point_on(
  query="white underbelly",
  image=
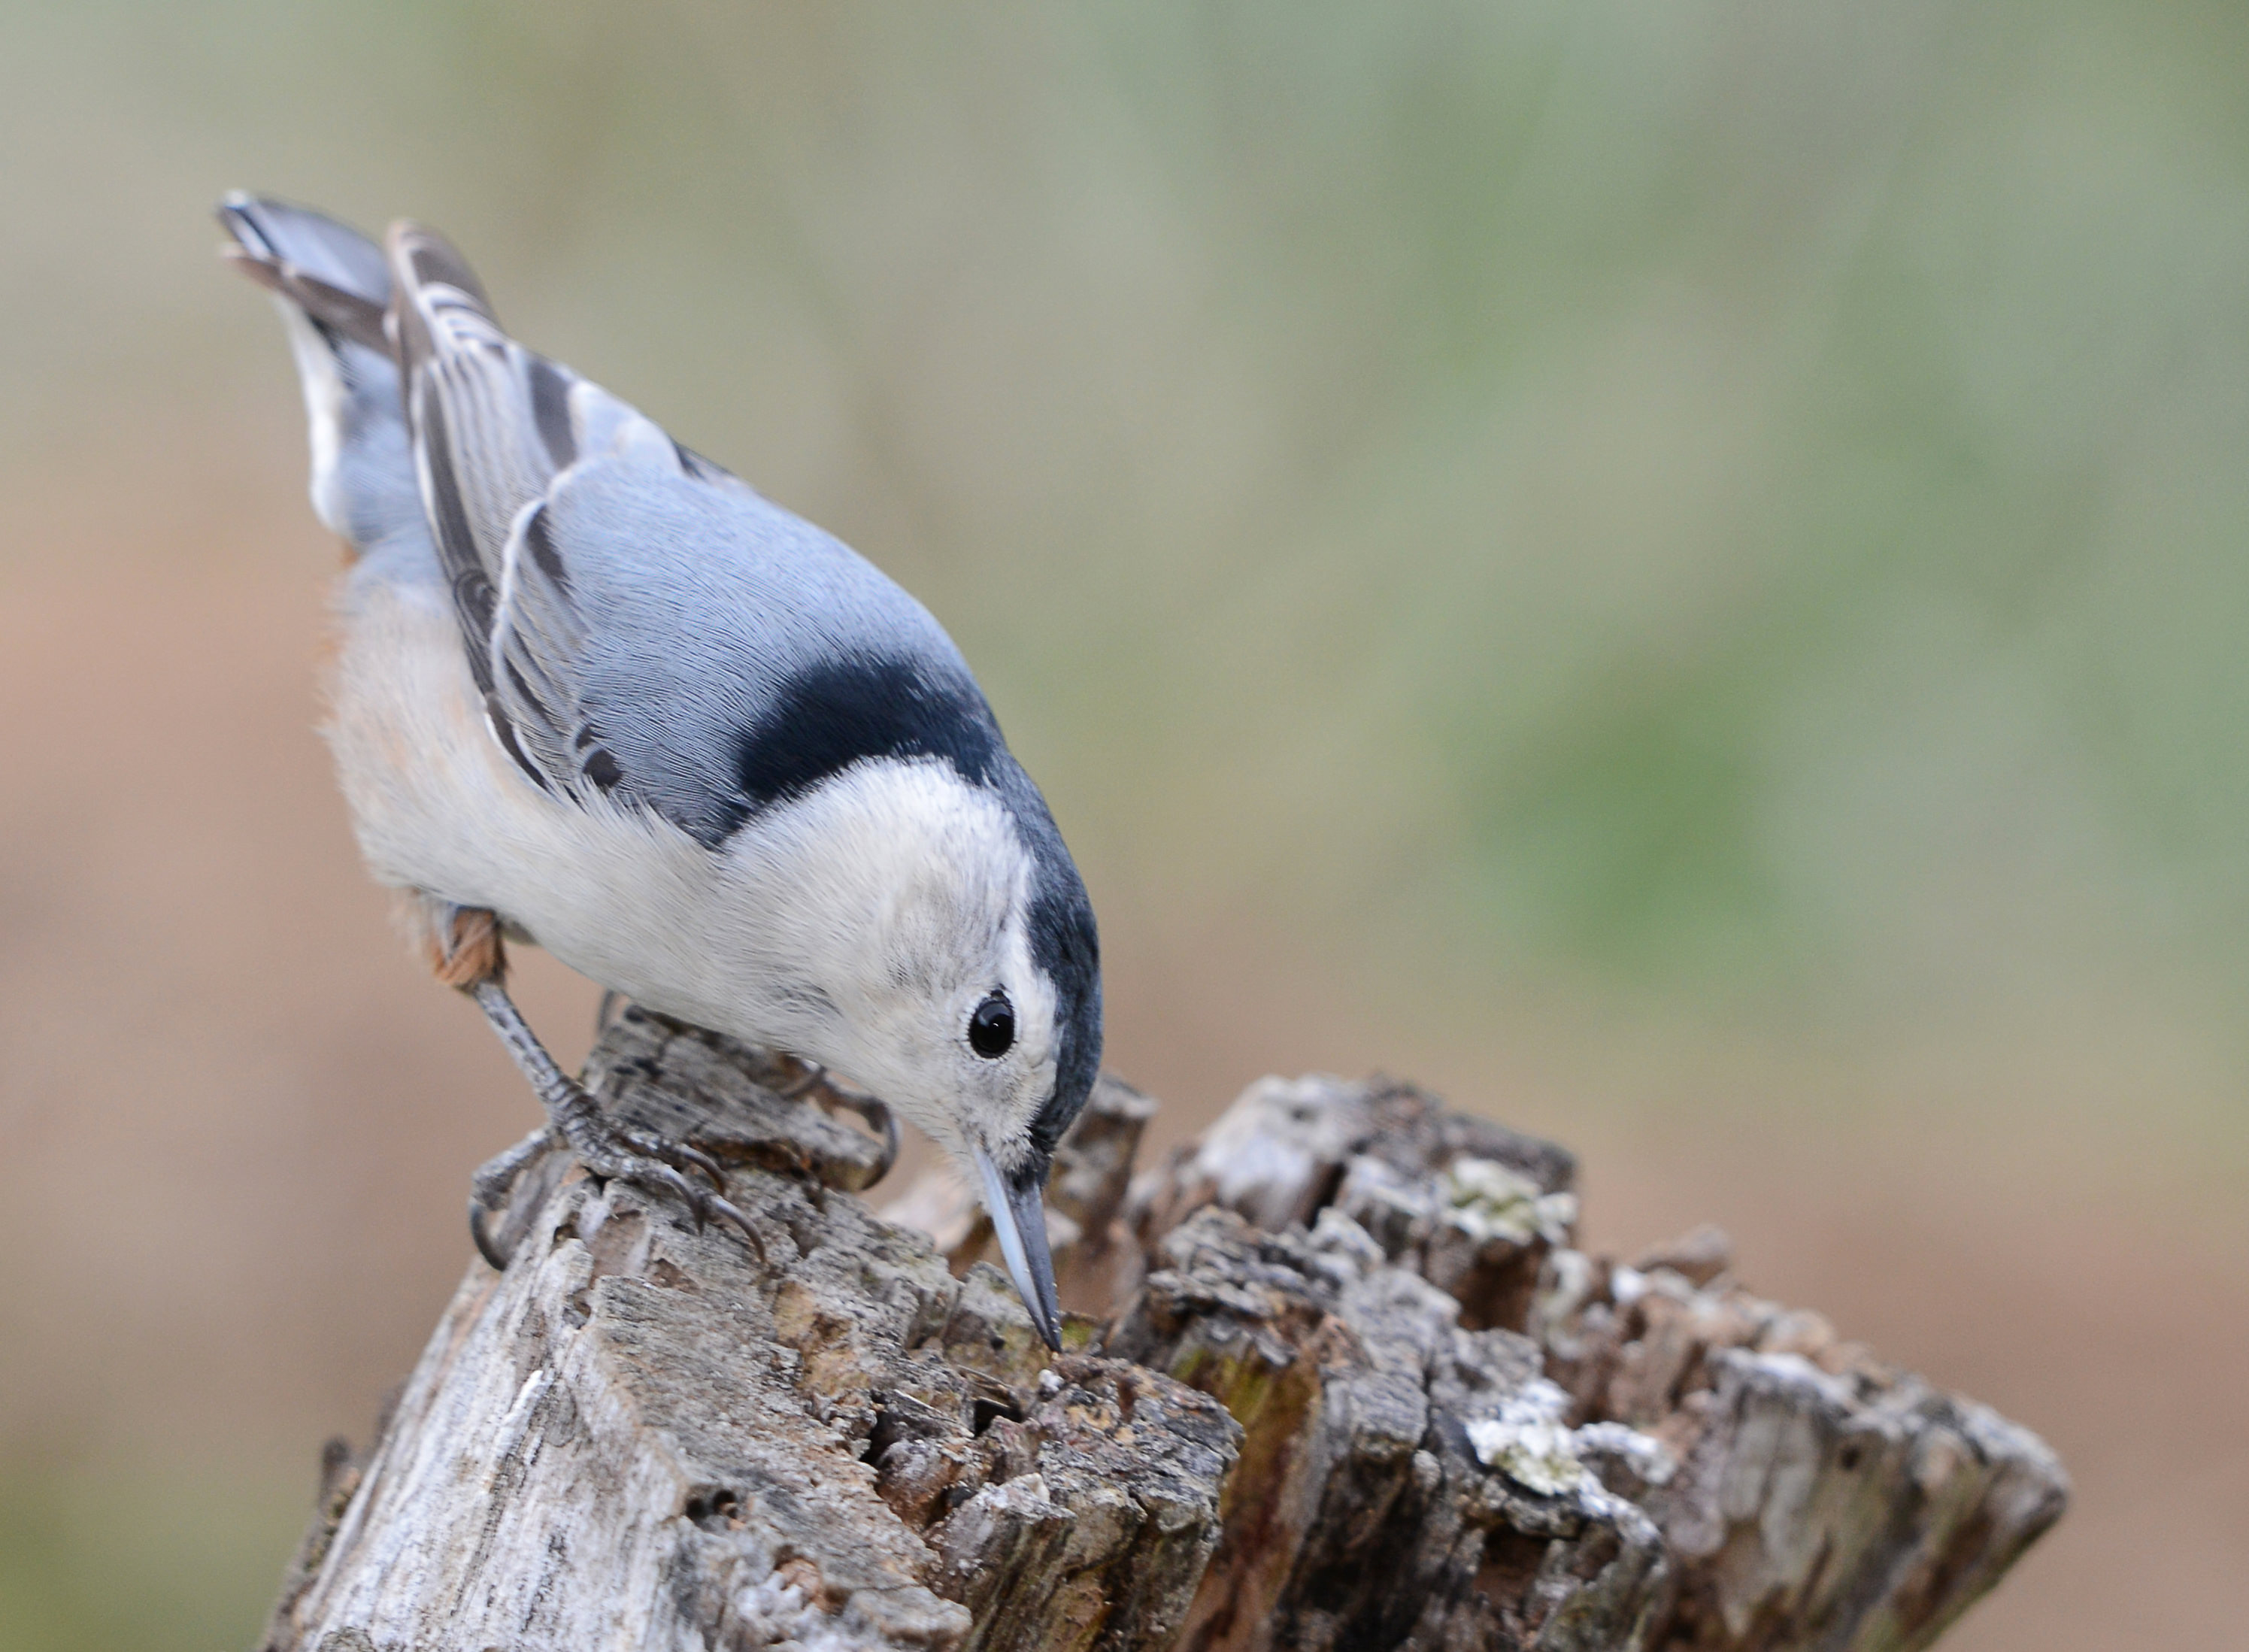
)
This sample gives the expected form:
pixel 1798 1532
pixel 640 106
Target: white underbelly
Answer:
pixel 620 896
pixel 817 928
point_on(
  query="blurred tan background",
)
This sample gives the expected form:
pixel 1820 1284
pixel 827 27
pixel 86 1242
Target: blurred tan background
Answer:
pixel 1675 570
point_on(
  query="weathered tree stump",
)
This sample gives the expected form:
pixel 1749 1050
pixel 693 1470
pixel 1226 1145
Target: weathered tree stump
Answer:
pixel 1336 1379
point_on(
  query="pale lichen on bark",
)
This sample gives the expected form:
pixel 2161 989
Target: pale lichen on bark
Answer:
pixel 1336 1379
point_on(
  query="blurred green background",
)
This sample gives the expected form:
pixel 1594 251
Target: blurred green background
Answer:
pixel 1676 568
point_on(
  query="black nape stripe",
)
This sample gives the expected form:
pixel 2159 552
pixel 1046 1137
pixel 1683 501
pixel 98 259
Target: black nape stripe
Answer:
pixel 1066 946
pixel 829 717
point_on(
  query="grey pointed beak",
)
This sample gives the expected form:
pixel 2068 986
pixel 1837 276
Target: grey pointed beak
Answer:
pixel 1019 1217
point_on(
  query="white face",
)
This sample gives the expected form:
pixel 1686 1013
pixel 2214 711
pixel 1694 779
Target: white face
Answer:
pixel 895 911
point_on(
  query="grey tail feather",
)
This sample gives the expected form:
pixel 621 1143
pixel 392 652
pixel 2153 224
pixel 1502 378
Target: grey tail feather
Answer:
pixel 429 276
pixel 336 285
pixel 330 271
pixel 430 258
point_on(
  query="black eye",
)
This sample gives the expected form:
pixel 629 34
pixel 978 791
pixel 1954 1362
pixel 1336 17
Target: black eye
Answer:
pixel 992 1028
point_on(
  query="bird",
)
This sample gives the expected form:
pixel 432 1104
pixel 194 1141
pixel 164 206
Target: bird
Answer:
pixel 592 691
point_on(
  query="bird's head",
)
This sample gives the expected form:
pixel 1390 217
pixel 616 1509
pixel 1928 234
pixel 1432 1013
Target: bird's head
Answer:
pixel 942 951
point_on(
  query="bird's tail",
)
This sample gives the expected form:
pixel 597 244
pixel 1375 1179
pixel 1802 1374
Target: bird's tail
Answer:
pixel 333 286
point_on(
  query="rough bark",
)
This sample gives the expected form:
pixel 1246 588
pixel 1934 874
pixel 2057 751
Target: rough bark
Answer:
pixel 642 1436
pixel 1336 1379
pixel 1683 1464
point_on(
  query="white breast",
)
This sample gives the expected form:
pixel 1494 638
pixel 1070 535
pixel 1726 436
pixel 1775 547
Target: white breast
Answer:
pixel 796 933
pixel 440 808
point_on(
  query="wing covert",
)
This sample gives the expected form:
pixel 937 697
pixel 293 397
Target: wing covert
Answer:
pixel 495 426
pixel 638 620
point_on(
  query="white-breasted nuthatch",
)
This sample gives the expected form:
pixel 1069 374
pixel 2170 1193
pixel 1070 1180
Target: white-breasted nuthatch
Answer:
pixel 594 693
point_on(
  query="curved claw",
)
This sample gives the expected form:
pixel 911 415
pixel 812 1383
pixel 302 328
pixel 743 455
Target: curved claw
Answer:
pixel 726 1210
pixel 487 1245
pixel 679 1155
pixel 665 1176
pixel 492 1190
pixel 891 1142
pixel 705 1164
pixel 646 1171
pixel 879 1119
pixel 707 1205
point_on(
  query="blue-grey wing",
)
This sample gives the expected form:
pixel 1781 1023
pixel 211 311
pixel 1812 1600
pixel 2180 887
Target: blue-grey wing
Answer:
pixel 730 654
pixel 640 623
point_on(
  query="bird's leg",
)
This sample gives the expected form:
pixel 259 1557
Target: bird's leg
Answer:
pixel 610 1151
pixel 467 952
pixel 832 1093
pixel 878 1117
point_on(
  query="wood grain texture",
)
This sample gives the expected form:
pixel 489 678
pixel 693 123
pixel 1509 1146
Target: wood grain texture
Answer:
pixel 1338 1378
pixel 643 1436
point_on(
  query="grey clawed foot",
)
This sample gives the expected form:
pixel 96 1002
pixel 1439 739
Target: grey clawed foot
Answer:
pixel 640 1158
pixel 680 1155
pixel 611 1152
pixel 878 1117
pixel 834 1093
pixel 490 1190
